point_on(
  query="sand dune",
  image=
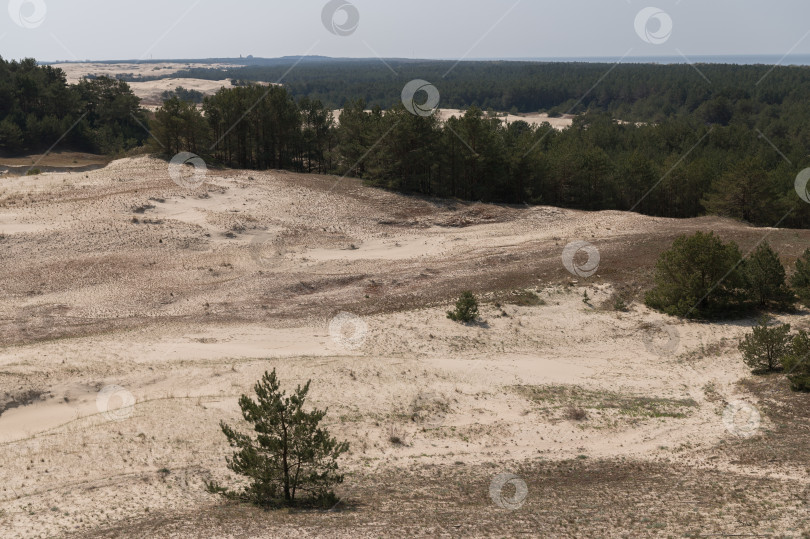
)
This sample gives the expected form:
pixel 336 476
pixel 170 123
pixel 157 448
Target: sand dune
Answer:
pixel 146 309
pixel 78 70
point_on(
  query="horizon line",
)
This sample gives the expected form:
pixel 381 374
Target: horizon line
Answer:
pixel 538 59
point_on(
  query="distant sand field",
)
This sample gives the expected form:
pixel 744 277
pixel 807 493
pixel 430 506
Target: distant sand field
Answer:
pixel 78 70
pixel 532 119
pixel 149 91
pixel 134 313
pixel 535 119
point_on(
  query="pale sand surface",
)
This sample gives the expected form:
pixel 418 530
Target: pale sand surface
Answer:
pixel 149 91
pixel 534 119
pixel 537 118
pixel 76 71
pixel 118 277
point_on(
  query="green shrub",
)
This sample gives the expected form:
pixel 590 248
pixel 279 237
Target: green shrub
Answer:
pixel 617 301
pixel 797 362
pixel 290 454
pixel 466 309
pixel 765 347
pixel 620 305
pixel 33 172
pixel 699 276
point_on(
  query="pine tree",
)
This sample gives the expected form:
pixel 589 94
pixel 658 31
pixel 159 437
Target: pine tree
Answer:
pixel 466 309
pixel 744 192
pixel 765 277
pixel 290 454
pixel 800 280
pixel 765 347
pixel 797 362
pixel 698 276
pixel 11 136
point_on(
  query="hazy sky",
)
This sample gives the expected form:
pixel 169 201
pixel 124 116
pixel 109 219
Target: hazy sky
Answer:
pixel 120 29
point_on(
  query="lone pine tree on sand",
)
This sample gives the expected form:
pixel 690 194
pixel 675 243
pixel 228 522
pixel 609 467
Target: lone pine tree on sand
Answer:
pixel 290 454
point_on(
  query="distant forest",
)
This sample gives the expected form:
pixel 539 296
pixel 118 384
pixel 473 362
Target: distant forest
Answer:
pixel 719 139
pixel 638 92
pixel 38 108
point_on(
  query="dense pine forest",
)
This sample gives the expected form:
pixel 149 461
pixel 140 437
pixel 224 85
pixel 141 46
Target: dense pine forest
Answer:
pixel 638 92
pixel 38 108
pixel 675 141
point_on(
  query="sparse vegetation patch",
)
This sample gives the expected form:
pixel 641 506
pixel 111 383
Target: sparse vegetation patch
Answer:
pixel 572 401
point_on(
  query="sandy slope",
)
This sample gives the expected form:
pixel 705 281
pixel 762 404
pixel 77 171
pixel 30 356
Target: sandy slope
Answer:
pixel 180 299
